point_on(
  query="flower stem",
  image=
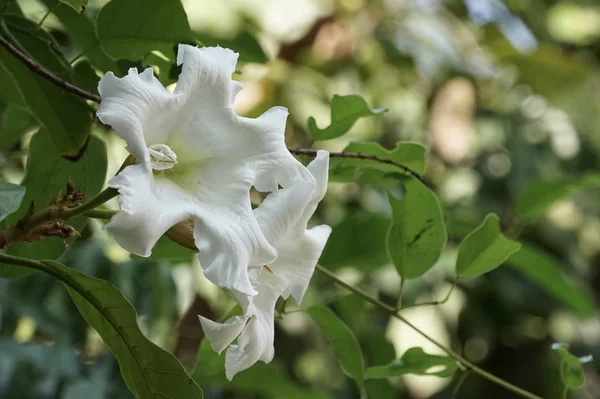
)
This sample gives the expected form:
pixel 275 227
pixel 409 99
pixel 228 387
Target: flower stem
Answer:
pixel 461 360
pixel 32 220
pixel 90 205
pixel 99 214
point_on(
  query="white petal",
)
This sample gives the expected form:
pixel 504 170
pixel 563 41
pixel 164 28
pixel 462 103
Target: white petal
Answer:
pixel 221 335
pixel 149 207
pixel 282 209
pixel 282 168
pixel 207 66
pixel 319 169
pixel 256 340
pixel 136 106
pixel 298 256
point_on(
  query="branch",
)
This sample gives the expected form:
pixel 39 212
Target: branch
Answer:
pixel 40 70
pixel 43 72
pixel 395 313
pixel 48 222
pixel 357 155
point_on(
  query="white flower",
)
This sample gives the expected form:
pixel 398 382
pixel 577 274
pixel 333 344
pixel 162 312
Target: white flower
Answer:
pixel 299 250
pixel 198 161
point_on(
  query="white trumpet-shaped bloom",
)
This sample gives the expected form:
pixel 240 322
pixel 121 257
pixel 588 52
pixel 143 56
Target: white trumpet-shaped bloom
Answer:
pixel 299 250
pixel 196 160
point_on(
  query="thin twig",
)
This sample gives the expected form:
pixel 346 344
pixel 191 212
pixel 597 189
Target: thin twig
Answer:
pixel 459 383
pixel 431 303
pixel 54 213
pixel 40 70
pixel 394 313
pixel 357 155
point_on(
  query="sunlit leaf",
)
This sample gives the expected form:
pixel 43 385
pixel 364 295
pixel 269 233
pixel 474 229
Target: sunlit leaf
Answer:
pixel 77 5
pixel 417 234
pixel 546 271
pixel 571 370
pixel 343 341
pixel 362 237
pixel 148 370
pixel 484 249
pixel 415 361
pixel 345 110
pixel 11 196
pixel 130 29
pixel 47 174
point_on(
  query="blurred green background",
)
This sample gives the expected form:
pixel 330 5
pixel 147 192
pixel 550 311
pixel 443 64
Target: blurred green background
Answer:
pixel 504 95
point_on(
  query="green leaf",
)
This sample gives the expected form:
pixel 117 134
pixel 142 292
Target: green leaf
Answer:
pixel 539 196
pixel 546 271
pixel 168 250
pixel 210 372
pixel 46 175
pixel 77 5
pixel 14 123
pixel 148 370
pixel 344 343
pixel 345 110
pixel 571 370
pixel 484 249
pixel 243 43
pixel 11 196
pixel 417 234
pixel 415 361
pixel 129 29
pixel 362 236
pixel 411 155
pixel 66 116
pixel 83 33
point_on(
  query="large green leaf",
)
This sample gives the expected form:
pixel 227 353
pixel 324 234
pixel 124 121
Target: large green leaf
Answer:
pixel 47 174
pixel 11 196
pixel 14 122
pixel 415 361
pixel 484 249
pixel 417 234
pixel 344 343
pixel 546 271
pixel 148 371
pixel 82 31
pixel 345 111
pixel 571 369
pixel 362 236
pixel 168 250
pixel 266 380
pixel 66 117
pixel 129 29
pixel 244 43
pixel 411 155
pixel 77 5
pixel 541 194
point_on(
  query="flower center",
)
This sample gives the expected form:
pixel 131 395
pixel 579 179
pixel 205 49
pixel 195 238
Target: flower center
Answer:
pixel 162 157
